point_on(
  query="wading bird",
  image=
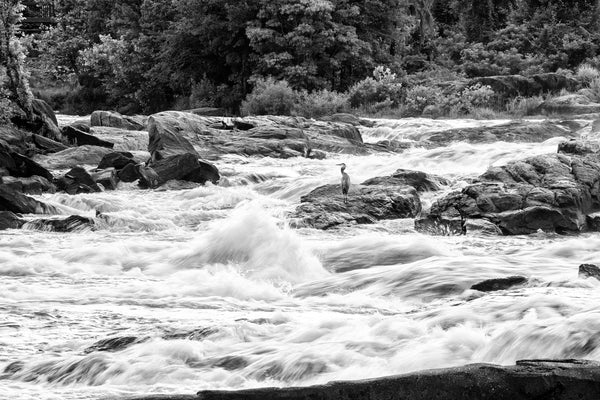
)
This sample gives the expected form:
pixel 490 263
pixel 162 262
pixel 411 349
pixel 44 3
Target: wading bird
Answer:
pixel 345 183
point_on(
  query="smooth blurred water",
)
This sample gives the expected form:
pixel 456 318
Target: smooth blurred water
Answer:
pixel 220 293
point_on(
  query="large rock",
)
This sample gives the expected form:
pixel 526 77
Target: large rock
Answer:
pixel 106 177
pixel 419 180
pixel 117 160
pixel 589 271
pixel 30 185
pixel 76 181
pixel 129 173
pixel 11 200
pixel 115 120
pixel 45 120
pixel 552 192
pixel 74 223
pixel 73 157
pixel 19 165
pixel 47 145
pixel 324 207
pixel 491 285
pixel 123 140
pixel 514 131
pixel 175 132
pixel 527 380
pixel 10 220
pixel 185 167
pixel 81 138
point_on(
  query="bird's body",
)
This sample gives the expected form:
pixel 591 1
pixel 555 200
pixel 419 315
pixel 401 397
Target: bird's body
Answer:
pixel 345 183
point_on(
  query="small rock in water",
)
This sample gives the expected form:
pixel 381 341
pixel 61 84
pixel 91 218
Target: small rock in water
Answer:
pixel 589 271
pixel 113 344
pixel 107 178
pixel 76 181
pixel 491 285
pixel 129 173
pixel 73 223
pixel 10 220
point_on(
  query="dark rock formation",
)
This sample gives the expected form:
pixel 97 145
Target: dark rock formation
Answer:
pixel 589 271
pixel 129 173
pixel 45 122
pixel 31 185
pixel 116 120
pixel 11 200
pixel 185 167
pixel 113 344
pixel 324 207
pixel 421 181
pixel 73 223
pixel 81 138
pixel 148 178
pixel 10 220
pixel 47 145
pixel 76 181
pixel 495 284
pixel 552 192
pixel 107 178
pixel 19 165
pixel 528 379
pixel 579 147
pixel 117 160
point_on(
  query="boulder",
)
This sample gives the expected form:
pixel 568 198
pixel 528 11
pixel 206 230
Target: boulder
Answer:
pixel 589 271
pixel 76 181
pixel 148 178
pixel 80 138
pixel 169 134
pixel 10 220
pixel 74 223
pixel 129 173
pixel 491 285
pixel 73 157
pixel 117 160
pixel 510 86
pixel 11 200
pixel 185 167
pixel 107 178
pixel 579 147
pixel 324 207
pixel 528 379
pixel 45 123
pixel 30 185
pixel 47 145
pixel 81 126
pixel 421 181
pixel 26 167
pixel 552 192
pixel 115 120
pixel 123 140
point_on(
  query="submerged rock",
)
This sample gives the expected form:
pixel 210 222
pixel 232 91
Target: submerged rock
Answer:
pixel 73 223
pixel 589 271
pixel 114 344
pixel 491 285
pixel 528 379
pixel 324 207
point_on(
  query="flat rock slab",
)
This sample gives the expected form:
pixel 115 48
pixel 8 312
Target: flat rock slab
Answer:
pixel 528 379
pixel 324 207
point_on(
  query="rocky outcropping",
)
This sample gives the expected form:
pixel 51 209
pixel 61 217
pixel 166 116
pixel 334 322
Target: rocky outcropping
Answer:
pixel 11 200
pixel 115 120
pixel 80 138
pixel 267 136
pixel 568 105
pixel 552 192
pixel 510 86
pixel 324 207
pixel 73 157
pixel 528 379
pixel 76 181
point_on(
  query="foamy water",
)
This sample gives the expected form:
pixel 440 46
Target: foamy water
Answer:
pixel 210 288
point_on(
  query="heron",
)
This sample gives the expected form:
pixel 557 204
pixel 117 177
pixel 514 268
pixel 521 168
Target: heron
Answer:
pixel 345 183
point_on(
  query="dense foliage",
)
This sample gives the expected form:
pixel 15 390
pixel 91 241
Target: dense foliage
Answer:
pixel 148 55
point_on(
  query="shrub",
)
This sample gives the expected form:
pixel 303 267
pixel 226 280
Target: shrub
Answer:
pixel 320 103
pixel 592 92
pixel 418 97
pixel 270 97
pixel 384 88
pixel 522 106
pixel 587 73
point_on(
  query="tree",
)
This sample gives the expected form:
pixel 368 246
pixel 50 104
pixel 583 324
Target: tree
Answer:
pixel 12 56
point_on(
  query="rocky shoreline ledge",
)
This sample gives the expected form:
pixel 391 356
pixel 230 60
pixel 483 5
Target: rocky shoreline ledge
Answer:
pixel 528 379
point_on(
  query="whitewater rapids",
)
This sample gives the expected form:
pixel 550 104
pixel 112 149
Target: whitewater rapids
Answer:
pixel 215 291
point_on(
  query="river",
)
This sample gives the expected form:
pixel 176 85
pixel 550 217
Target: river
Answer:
pixel 215 290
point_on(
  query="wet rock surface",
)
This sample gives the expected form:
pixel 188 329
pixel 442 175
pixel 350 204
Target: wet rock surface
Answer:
pixel 419 180
pixel 324 207
pixel 115 120
pixel 73 223
pixel 491 285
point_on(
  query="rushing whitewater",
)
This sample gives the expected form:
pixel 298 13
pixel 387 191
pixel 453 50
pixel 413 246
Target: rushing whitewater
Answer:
pixel 207 287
